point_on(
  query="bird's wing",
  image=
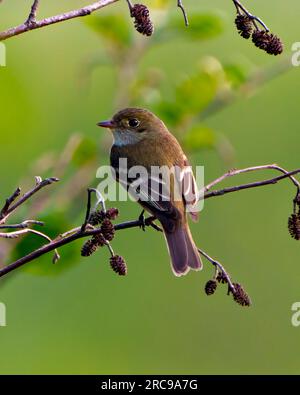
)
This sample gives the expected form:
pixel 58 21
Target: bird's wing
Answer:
pixel 189 189
pixel 158 191
pixel 147 189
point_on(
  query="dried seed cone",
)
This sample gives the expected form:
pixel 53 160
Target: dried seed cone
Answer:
pixel 261 39
pixel 88 248
pixel 118 265
pixel 107 229
pixel 244 25
pixel 294 226
pixel 210 287
pixel 269 43
pixel 142 21
pixel 96 217
pixel 112 213
pixel 98 240
pixel 275 46
pixel 221 278
pixel 240 296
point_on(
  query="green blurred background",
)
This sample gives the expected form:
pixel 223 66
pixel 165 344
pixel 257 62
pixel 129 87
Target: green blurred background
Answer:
pixel 78 317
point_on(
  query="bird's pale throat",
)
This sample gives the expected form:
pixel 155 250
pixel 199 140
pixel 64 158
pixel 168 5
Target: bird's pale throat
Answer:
pixel 126 137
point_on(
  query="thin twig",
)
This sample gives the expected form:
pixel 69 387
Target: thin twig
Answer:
pixel 22 225
pixel 220 267
pixel 239 7
pixel 88 210
pixel 10 235
pixel 270 181
pixel 16 234
pixel 25 27
pixel 100 200
pixel 31 20
pixel 234 172
pixel 184 13
pixel 130 6
pixel 9 207
pixel 9 201
pixel 56 255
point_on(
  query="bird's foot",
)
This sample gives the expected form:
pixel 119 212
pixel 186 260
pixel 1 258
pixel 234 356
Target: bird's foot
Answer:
pixel 149 221
pixel 142 221
pixel 156 227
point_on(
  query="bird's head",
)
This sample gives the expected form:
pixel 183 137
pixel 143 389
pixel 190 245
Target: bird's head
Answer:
pixel 131 125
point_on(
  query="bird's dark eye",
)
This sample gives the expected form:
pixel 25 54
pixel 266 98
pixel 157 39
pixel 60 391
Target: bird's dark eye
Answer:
pixel 133 123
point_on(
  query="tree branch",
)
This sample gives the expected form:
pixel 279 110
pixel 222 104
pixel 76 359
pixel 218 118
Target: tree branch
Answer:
pixel 219 267
pixel 234 172
pixel 8 202
pixel 9 207
pixel 86 230
pixel 31 23
pixel 270 181
pixel 22 225
pixel 31 20
pixel 66 240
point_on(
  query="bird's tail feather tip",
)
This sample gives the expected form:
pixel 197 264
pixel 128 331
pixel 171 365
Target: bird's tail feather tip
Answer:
pixel 179 273
pixel 183 272
pixel 194 258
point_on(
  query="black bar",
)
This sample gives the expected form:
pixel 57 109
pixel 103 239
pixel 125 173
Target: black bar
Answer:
pixel 94 384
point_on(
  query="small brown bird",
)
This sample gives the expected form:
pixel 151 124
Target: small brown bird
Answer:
pixel 143 140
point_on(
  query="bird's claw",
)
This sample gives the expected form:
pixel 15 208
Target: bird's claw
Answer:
pixel 142 221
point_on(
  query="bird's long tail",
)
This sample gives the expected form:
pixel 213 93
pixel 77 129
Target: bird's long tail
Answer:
pixel 183 251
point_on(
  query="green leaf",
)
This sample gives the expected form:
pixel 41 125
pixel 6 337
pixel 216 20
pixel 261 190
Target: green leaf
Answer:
pixel 55 223
pixel 171 113
pixel 196 92
pixel 201 26
pixel 115 28
pixel 85 152
pixel 199 137
pixel 236 74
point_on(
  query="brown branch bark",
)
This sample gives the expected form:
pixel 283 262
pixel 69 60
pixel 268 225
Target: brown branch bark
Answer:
pixel 31 23
pixel 9 207
pixel 8 202
pixel 66 240
pixel 270 181
pixel 32 16
pixel 83 231
pixel 22 225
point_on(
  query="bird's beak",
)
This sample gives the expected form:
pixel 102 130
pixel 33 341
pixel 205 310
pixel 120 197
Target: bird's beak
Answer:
pixel 107 124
